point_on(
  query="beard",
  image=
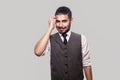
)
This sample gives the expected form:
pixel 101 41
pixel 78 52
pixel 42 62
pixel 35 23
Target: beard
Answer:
pixel 64 32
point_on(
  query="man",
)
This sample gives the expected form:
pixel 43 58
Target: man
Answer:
pixel 69 51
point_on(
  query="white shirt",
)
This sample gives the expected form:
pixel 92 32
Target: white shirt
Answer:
pixel 85 48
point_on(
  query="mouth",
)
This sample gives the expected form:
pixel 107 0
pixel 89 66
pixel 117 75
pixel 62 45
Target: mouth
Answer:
pixel 61 28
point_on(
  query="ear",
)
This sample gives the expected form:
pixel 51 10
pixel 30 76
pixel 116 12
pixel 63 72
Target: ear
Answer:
pixel 71 20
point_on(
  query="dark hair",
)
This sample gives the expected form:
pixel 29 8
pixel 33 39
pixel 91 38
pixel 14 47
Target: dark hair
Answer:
pixel 64 10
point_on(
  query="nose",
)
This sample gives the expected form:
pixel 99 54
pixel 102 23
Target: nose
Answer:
pixel 60 24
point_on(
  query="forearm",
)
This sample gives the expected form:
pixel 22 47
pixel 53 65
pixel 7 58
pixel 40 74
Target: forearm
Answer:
pixel 42 43
pixel 88 72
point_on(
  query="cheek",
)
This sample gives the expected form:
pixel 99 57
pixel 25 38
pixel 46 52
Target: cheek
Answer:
pixel 57 24
pixel 66 24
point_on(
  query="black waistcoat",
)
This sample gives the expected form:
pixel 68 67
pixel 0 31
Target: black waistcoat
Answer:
pixel 66 60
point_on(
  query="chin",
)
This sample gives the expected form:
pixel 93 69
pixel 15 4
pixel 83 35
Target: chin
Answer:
pixel 61 31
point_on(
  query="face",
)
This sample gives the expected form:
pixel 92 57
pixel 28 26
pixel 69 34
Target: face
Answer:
pixel 63 23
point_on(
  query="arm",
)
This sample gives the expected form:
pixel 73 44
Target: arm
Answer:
pixel 86 59
pixel 42 43
pixel 88 72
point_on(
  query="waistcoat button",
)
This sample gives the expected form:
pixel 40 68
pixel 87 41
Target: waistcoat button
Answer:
pixel 66 72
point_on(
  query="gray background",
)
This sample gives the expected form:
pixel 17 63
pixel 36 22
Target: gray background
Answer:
pixel 23 22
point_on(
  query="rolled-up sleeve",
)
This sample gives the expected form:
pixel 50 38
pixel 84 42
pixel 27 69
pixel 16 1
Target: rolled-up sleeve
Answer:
pixel 85 52
pixel 47 50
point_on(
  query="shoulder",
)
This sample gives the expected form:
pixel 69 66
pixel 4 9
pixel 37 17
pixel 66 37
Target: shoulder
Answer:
pixel 78 34
pixel 53 35
pixel 75 34
pixel 83 37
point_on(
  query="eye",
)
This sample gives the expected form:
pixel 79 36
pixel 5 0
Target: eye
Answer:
pixel 64 20
pixel 57 21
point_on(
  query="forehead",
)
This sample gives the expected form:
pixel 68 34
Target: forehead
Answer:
pixel 62 17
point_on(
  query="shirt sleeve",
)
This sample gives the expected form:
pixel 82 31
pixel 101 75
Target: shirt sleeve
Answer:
pixel 85 52
pixel 47 50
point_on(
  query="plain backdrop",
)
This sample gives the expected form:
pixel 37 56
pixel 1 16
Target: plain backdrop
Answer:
pixel 23 22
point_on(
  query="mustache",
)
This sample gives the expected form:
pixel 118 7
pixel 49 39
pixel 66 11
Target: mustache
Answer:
pixel 61 27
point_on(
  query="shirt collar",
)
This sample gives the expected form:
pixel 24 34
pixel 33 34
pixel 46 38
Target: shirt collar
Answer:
pixel 68 34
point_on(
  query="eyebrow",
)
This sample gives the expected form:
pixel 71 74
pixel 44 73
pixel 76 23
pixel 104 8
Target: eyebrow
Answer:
pixel 62 20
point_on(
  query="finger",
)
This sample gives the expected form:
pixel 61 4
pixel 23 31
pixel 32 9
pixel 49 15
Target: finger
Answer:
pixel 54 17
